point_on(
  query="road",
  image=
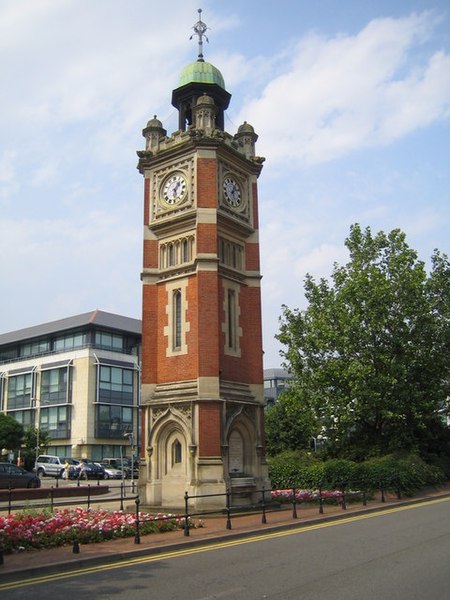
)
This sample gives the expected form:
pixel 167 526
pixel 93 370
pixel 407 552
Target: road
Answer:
pixel 401 554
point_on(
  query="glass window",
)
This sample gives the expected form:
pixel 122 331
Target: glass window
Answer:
pixel 231 319
pixel 8 353
pixel 177 319
pixel 116 385
pixel 108 340
pixel 54 385
pixel 25 417
pixel 19 391
pixel 56 421
pixel 113 421
pixel 36 347
pixel 176 452
pixel 67 342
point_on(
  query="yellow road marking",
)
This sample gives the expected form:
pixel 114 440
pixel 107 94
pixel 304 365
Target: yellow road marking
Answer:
pixel 208 547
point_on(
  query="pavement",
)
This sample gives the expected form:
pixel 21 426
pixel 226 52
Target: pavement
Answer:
pixel 35 563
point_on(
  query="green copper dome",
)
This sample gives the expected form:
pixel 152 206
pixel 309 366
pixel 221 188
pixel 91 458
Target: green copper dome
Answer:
pixel 201 72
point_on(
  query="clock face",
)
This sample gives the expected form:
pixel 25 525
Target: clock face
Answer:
pixel 174 189
pixel 232 192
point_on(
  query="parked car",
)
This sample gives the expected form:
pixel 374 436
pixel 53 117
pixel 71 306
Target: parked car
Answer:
pixel 88 469
pixel 47 465
pixel 112 472
pixel 123 464
pixel 12 476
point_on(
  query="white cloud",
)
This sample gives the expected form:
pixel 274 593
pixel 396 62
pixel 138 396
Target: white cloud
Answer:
pixel 341 94
pixel 61 267
pixel 8 178
pixel 45 173
pixel 61 77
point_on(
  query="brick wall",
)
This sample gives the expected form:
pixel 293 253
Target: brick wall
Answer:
pixel 209 429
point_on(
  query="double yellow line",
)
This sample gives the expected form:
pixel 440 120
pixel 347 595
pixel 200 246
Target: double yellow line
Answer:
pixel 208 547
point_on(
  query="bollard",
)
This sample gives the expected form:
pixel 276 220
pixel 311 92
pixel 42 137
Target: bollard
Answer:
pixel 263 519
pixel 228 509
pixel 1 557
pixel 320 501
pixel 76 547
pixel 186 514
pixel 294 506
pixel 137 537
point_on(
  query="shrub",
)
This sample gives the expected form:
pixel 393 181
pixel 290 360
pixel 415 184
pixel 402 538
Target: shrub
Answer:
pixel 395 472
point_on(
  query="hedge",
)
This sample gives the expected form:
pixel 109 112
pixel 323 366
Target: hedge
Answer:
pixel 403 474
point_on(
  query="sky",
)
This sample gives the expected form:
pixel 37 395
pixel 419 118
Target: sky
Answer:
pixel 350 100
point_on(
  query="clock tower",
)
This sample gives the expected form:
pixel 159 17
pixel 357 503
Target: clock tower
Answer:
pixel 202 369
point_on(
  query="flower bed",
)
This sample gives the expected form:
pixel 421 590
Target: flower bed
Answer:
pixel 333 496
pixel 306 495
pixel 46 530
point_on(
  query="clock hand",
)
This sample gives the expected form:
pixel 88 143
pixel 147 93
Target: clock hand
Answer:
pixel 175 187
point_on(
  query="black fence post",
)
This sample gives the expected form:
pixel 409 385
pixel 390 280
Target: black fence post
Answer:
pixel 294 504
pixel 364 497
pixel 383 499
pixel 320 501
pixel 89 497
pixel 121 496
pixel 263 520
pixel 228 509
pixel 9 501
pixel 51 498
pixel 137 537
pixel 186 514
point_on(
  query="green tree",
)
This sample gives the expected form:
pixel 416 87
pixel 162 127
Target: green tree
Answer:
pixel 289 424
pixel 11 433
pixel 32 438
pixel 371 350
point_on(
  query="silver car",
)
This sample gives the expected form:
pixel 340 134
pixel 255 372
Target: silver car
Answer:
pixel 112 472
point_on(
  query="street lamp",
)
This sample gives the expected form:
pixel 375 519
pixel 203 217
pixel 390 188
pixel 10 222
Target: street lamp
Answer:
pixel 131 439
pixel 37 406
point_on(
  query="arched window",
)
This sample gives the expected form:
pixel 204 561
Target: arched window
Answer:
pixel 162 257
pixel 231 301
pixel 185 257
pixel 177 454
pixel 177 319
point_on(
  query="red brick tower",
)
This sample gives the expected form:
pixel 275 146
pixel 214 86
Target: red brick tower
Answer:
pixel 202 372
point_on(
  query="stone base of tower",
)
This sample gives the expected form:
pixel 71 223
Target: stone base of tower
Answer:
pixel 207 492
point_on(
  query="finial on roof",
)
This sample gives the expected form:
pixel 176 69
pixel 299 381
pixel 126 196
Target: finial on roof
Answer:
pixel 199 29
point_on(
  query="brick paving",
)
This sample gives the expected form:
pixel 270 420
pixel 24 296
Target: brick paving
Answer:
pixel 22 565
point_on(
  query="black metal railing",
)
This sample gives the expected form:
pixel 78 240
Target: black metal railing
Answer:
pixel 341 493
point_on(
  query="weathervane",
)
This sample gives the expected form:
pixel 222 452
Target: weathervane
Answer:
pixel 199 29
